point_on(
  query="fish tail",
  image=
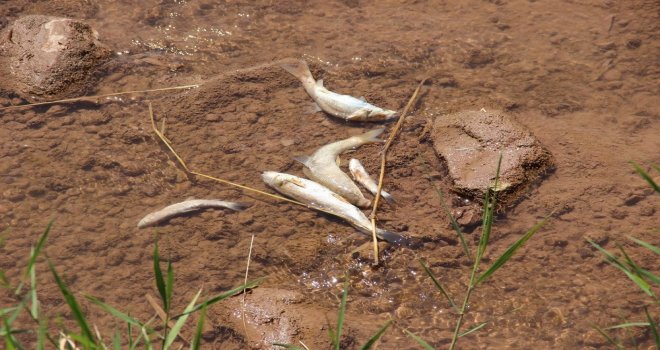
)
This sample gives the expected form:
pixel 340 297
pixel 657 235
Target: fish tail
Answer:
pixel 391 237
pixel 300 70
pixel 372 136
pixel 238 206
pixel 388 197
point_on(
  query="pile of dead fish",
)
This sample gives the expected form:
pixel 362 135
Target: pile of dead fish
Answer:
pixel 328 188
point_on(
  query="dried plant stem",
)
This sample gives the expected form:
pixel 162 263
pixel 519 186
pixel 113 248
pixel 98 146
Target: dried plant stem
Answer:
pixel 383 159
pixel 93 97
pixel 247 270
pixel 163 315
pixel 185 167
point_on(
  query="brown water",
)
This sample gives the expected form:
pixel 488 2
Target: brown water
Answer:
pixel 581 75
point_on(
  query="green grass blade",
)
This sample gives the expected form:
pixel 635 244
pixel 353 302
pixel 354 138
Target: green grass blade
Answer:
pixel 169 285
pixel 114 312
pixel 614 261
pixel 419 340
pixel 10 342
pixel 473 329
pixel 654 328
pixel 73 305
pixel 638 270
pixel 82 341
pixel 608 338
pixel 34 305
pixel 4 282
pixel 454 223
pixel 509 252
pixel 147 341
pixel 42 331
pixel 194 345
pixel 174 332
pixel 628 325
pixel 288 346
pixel 116 341
pixel 7 310
pixel 646 245
pixel 222 296
pixel 340 317
pixel 37 249
pixel 376 336
pixel 490 202
pixel 160 281
pixel 646 176
pixel 438 285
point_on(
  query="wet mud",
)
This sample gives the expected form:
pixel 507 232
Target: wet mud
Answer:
pixel 581 77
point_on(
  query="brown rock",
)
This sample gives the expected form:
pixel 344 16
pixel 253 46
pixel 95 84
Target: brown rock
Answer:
pixel 50 56
pixel 471 142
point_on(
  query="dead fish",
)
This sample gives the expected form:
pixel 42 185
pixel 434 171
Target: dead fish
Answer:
pixel 186 207
pixel 322 167
pixel 338 105
pixel 362 177
pixel 319 197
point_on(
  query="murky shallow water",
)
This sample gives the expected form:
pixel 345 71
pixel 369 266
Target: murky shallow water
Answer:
pixel 569 73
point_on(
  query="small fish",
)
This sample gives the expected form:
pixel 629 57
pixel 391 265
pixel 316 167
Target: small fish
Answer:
pixel 362 177
pixel 186 207
pixel 322 167
pixel 319 197
pixel 338 105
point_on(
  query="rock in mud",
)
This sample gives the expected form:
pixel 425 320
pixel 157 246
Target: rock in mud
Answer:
pixel 470 143
pixel 49 56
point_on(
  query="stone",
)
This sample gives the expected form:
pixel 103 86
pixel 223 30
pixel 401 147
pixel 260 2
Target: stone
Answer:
pixel 50 56
pixel 470 143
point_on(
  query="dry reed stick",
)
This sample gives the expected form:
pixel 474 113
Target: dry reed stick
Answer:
pixel 247 270
pixel 247 188
pixel 383 155
pixel 82 98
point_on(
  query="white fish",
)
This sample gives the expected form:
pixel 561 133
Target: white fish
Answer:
pixel 362 177
pixel 338 105
pixel 186 207
pixel 322 167
pixel 319 197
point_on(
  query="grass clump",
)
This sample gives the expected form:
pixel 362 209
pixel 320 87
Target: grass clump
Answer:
pixel 644 279
pixel 144 334
pixel 476 276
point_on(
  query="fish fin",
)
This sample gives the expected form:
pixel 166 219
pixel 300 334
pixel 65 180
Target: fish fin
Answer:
pixel 372 136
pixel 313 108
pixel 302 159
pixel 359 115
pixel 296 182
pixel 391 237
pixel 298 69
pixel 361 98
pixel 238 206
pixel 319 83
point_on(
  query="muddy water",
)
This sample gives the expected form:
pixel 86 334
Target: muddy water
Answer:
pixel 581 75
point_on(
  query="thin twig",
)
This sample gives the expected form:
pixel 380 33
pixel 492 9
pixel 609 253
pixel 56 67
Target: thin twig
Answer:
pixel 93 97
pixel 187 170
pixel 383 158
pixel 247 270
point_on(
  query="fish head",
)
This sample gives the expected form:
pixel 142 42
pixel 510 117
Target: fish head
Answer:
pixel 383 114
pixel 272 178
